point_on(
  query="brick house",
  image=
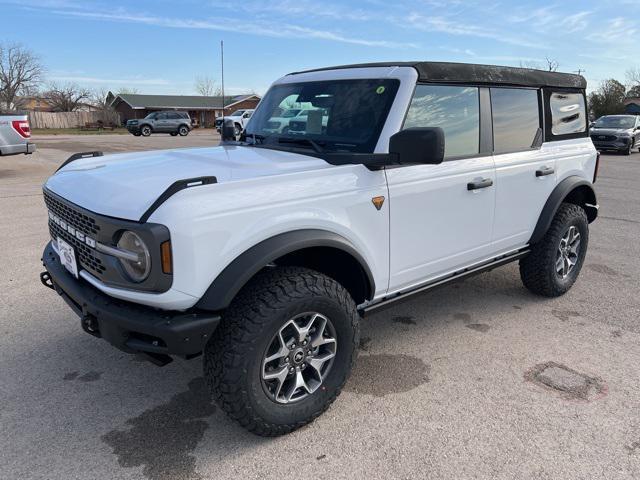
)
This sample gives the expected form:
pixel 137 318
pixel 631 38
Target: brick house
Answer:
pixel 202 110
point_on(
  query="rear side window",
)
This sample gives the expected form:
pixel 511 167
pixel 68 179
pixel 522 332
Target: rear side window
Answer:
pixel 516 119
pixel 454 109
pixel 568 113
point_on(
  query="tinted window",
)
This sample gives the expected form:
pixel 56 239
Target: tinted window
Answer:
pixel 455 110
pixel 568 113
pixel 173 116
pixel 516 118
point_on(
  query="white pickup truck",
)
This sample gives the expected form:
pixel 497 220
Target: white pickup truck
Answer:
pixel 15 134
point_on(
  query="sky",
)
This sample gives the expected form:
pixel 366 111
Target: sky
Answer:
pixel 162 46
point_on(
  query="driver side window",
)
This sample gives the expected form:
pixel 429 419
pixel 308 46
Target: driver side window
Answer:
pixel 454 109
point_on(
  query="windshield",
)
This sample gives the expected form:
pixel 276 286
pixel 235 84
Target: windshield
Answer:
pixel 290 113
pixel 336 115
pixel 151 115
pixel 615 122
pixel 237 113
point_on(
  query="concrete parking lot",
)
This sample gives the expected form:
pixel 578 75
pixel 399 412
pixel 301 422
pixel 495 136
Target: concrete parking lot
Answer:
pixel 449 385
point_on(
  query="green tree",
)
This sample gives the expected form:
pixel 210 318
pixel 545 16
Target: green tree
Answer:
pixel 608 99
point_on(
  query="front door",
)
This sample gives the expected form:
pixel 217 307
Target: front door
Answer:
pixel 441 216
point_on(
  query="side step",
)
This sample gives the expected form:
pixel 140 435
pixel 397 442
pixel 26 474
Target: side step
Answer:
pixel 467 272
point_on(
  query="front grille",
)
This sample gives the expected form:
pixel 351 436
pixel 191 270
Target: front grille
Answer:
pixel 78 220
pixel 603 138
pixel 87 256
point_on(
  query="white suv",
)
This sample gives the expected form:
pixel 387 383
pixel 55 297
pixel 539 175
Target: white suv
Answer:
pixel 265 253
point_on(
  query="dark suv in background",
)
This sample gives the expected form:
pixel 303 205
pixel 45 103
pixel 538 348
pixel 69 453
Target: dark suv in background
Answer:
pixel 174 123
pixel 616 132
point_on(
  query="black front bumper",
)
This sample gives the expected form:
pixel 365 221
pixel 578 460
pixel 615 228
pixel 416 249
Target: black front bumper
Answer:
pixel 128 326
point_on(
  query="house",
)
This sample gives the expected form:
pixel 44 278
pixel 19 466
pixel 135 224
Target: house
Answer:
pixel 632 105
pixel 202 110
pixel 34 103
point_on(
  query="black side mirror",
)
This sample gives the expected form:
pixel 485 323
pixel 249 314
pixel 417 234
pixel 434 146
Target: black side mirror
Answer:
pixel 418 146
pixel 228 130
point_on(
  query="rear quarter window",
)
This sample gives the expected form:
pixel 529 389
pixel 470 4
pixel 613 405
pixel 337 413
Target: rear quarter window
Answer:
pixel 568 113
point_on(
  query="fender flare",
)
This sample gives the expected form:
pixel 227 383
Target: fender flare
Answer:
pixel 559 194
pixel 236 275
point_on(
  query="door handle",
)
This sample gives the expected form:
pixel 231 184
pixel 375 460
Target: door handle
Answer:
pixel 484 183
pixel 544 171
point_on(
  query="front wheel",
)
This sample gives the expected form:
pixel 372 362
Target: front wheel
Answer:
pixel 554 263
pixel 284 350
pixel 629 148
pixel 145 131
pixel 237 129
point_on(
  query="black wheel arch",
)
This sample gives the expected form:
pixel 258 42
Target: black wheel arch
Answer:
pixel 320 250
pixel 573 189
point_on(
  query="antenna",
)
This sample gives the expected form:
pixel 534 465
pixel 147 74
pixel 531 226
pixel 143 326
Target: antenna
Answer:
pixel 222 68
pixel 580 71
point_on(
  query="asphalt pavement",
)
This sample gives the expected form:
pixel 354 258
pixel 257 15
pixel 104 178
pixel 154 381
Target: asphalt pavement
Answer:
pixel 479 379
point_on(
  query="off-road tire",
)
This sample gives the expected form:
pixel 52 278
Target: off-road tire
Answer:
pixel 146 130
pixel 538 269
pixel 183 131
pixel 233 356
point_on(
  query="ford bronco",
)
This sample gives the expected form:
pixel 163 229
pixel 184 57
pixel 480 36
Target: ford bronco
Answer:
pixel 263 254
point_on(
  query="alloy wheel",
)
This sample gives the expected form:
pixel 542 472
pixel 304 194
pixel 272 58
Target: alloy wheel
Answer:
pixel 568 252
pixel 299 358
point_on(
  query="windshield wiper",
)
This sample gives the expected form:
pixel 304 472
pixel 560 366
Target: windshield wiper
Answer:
pixel 255 137
pixel 302 141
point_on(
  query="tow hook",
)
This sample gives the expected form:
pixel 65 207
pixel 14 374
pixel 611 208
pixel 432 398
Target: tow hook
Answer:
pixel 90 325
pixel 45 278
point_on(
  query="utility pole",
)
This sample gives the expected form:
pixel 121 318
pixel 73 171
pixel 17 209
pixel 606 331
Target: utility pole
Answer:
pixel 222 68
pixel 580 71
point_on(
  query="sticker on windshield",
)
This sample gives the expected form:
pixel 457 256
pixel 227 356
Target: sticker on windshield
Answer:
pixel 380 90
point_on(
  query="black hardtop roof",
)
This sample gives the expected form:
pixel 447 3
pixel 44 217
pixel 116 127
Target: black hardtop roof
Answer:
pixel 450 72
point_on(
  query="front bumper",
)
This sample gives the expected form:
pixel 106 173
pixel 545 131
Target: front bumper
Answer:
pixel 620 144
pixel 129 327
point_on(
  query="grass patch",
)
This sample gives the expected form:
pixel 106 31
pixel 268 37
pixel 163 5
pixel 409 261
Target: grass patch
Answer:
pixel 77 131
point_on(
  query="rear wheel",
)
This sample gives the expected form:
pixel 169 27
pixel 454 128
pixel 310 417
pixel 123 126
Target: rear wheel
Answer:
pixel 145 130
pixel 284 350
pixel 183 131
pixel 554 263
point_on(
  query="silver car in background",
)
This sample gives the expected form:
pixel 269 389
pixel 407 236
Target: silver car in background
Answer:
pixel 15 134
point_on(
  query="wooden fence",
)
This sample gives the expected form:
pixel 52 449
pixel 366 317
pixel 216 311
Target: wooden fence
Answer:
pixel 71 119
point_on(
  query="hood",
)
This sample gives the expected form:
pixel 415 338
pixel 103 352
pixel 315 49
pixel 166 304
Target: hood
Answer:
pixel 125 185
pixel 609 131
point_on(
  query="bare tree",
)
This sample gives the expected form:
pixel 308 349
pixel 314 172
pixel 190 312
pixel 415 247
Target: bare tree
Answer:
pixel 207 87
pixel 68 97
pixel 633 82
pixel 127 91
pixel 552 64
pixel 20 71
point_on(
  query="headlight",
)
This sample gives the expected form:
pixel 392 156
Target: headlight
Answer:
pixel 139 269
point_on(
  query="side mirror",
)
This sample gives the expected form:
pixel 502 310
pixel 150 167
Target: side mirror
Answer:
pixel 418 146
pixel 227 132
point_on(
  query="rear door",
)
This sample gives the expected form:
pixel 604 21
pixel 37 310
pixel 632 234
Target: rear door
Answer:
pixel 441 216
pixel 525 172
pixel 162 123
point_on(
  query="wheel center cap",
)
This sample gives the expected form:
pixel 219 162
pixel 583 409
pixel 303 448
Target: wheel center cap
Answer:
pixel 298 356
